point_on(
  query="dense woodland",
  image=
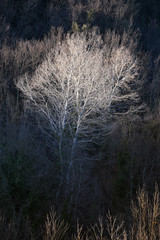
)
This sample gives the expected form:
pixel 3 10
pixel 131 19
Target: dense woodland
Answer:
pixel 79 119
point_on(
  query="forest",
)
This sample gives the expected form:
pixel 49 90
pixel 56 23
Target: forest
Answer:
pixel 79 120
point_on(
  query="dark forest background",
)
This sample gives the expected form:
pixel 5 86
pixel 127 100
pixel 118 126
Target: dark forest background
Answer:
pixel 128 157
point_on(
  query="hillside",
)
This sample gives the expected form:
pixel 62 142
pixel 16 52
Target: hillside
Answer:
pixel 79 116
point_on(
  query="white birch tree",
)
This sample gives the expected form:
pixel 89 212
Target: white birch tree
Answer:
pixel 74 89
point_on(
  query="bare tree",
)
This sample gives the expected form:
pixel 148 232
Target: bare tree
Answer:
pixel 74 90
